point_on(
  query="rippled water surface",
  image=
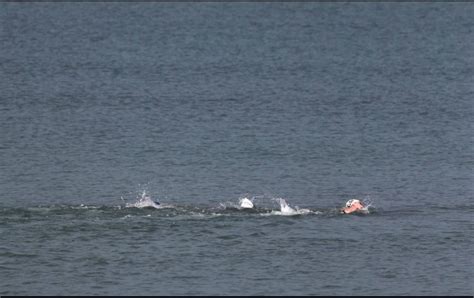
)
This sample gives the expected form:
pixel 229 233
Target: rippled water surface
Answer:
pixel 200 104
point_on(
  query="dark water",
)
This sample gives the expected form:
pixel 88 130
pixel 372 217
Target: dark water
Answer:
pixel 201 103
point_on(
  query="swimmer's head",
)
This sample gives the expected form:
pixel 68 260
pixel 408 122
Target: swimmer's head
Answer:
pixel 352 202
pixel 245 203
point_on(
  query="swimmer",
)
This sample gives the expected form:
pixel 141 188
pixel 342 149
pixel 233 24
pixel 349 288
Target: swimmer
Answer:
pixel 352 206
pixel 145 202
pixel 245 203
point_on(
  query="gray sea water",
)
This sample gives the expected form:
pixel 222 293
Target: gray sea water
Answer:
pixel 200 104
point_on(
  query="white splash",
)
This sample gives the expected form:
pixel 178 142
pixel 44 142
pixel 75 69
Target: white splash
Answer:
pixel 286 210
pixel 143 202
pixel 367 203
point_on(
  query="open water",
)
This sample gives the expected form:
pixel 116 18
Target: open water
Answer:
pixel 200 104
